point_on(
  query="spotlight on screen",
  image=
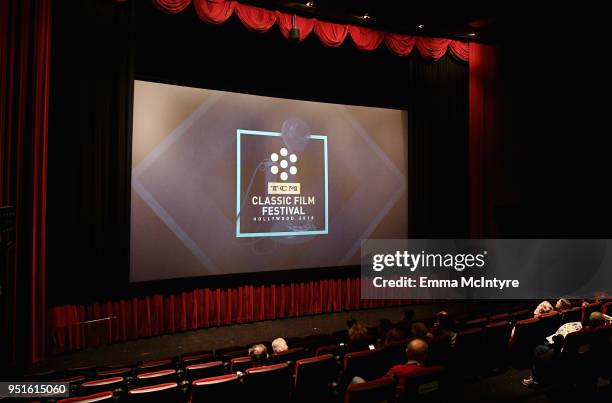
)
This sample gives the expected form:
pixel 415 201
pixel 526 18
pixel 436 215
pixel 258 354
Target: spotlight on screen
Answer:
pixel 295 133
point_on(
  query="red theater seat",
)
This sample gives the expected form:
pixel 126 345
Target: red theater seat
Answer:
pixel 227 354
pixel 315 378
pixel 240 364
pixel 204 370
pixel 479 322
pixel 223 388
pixel 501 317
pixel 101 385
pixel 588 309
pixel 527 335
pixel 430 386
pixel 197 358
pixel 374 391
pixel 114 372
pixel 334 349
pixel 394 353
pixel 71 380
pixel 275 380
pixel 365 364
pixel 75 371
pixel 606 307
pixel 578 359
pixel 521 315
pixel 440 349
pixel 495 345
pixel 468 353
pixel 571 315
pixel 602 345
pixel 550 322
pixel 97 397
pixel 155 365
pixel 163 392
pixel 290 356
pixel 156 377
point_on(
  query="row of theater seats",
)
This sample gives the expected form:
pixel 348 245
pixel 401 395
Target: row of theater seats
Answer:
pixel 316 370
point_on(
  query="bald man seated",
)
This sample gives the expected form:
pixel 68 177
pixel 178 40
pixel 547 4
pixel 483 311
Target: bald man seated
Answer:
pixel 416 353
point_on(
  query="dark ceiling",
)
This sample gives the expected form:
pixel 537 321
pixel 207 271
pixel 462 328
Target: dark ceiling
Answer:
pixel 467 20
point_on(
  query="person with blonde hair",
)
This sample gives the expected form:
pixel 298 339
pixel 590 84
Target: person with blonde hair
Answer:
pixel 543 308
pixel 259 355
pixel 279 345
pixel 563 304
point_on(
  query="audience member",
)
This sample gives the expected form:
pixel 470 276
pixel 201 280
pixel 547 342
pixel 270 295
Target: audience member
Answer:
pixel 416 353
pixel 358 338
pixel 543 308
pixel 419 330
pixel 405 325
pixel 279 345
pixel 393 336
pixel 563 304
pixel 444 327
pixel 259 355
pixel 545 356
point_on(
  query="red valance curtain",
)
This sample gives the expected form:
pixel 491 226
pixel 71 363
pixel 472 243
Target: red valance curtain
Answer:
pixel 75 327
pixel 330 34
pixel 25 47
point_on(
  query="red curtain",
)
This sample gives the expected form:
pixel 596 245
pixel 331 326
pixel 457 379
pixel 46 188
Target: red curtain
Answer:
pixel 25 45
pixel 489 129
pixel 75 327
pixel 261 20
pixel 170 6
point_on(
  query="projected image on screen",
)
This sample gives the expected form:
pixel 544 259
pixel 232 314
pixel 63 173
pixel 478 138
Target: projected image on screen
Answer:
pixel 233 183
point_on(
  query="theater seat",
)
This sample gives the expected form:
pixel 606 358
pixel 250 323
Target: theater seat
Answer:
pixel 159 393
pixel 571 315
pixel 315 378
pixel 479 322
pixel 394 353
pixel 527 335
pixel 290 356
pixel 156 377
pixel 227 354
pixel 588 309
pixel 500 317
pixel 578 359
pixel 439 350
pixel 467 356
pixel 312 342
pixel 86 371
pixel 97 397
pixel 222 388
pixel 521 315
pixel 336 350
pixel 197 358
pixel 550 322
pixel 107 373
pixel 606 308
pixel 274 379
pixel 495 345
pixel 365 364
pixel 381 390
pixel 602 346
pixel 204 370
pixel 240 364
pixel 426 386
pixel 101 385
pixel 155 365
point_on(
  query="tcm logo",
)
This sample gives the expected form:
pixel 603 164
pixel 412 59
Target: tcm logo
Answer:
pixel 278 188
